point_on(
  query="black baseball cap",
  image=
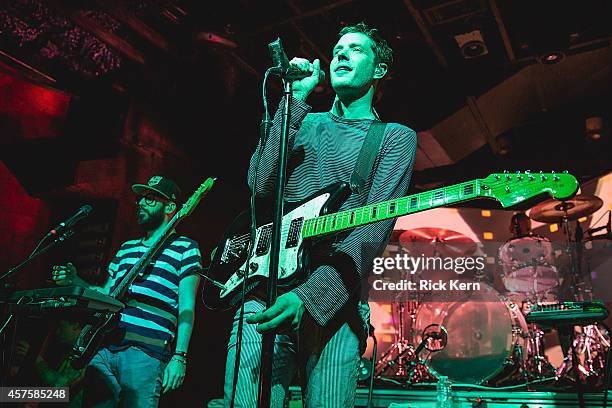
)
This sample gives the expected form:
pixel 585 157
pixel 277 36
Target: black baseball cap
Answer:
pixel 160 185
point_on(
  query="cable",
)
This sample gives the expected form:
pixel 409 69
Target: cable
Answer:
pixel 7 353
pixel 371 385
pixel 29 257
pixel 265 127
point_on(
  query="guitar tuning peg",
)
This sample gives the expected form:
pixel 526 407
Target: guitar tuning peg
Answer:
pixel 527 171
pixel 565 172
pixel 506 172
pixel 497 177
pixel 531 177
pixel 508 176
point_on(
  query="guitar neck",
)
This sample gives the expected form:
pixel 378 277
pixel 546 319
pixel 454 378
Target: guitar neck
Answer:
pixel 385 210
pixel 146 258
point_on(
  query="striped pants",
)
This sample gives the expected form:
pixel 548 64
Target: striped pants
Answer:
pixel 327 361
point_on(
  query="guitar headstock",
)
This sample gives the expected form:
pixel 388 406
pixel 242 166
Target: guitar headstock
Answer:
pixel 195 198
pixel 513 188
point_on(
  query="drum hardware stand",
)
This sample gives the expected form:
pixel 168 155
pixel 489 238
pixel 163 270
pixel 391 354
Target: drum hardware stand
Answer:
pixel 566 333
pixel 590 341
pixel 402 347
pixel 523 365
pixel 540 367
pixel 574 267
pixel 439 335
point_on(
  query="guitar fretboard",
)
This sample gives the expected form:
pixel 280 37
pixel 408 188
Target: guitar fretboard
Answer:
pixel 355 217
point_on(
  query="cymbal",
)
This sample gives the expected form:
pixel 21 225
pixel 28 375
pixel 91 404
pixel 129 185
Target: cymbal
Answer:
pixel 554 211
pixel 437 241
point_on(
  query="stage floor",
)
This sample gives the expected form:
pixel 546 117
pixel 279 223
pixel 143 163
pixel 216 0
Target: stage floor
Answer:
pixel 468 398
pixel 424 396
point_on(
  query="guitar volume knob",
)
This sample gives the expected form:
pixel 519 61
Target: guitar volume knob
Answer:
pixel 253 266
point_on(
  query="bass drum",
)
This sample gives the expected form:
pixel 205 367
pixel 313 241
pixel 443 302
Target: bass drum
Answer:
pixel 484 331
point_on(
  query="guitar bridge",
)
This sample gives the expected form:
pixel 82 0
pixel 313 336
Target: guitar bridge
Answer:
pixel 234 250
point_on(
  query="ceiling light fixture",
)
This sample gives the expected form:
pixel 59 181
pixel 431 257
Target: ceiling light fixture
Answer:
pixel 471 44
pixel 551 57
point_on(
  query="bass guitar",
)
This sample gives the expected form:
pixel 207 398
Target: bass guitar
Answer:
pixel 91 336
pixel 315 217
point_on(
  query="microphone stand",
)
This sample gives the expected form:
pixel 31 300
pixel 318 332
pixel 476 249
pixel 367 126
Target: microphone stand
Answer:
pixel 6 294
pixel 268 339
pixel 60 237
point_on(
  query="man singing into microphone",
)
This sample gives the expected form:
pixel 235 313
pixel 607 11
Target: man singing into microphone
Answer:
pixel 147 354
pixel 321 324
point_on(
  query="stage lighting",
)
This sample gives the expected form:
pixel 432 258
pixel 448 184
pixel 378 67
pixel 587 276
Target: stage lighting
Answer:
pixel 594 127
pixel 551 57
pixel 502 145
pixel 471 44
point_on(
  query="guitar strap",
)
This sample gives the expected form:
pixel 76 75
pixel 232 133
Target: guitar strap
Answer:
pixel 367 155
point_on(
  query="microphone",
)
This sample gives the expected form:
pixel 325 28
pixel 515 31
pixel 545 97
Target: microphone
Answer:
pixel 281 64
pixel 82 213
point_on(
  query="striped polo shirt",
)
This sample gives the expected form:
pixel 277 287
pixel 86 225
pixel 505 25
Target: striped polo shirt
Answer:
pixel 149 320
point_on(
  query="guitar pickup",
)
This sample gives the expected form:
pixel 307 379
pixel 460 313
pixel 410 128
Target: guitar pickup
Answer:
pixel 293 236
pixel 264 241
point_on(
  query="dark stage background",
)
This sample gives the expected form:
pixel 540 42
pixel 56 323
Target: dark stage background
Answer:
pixel 97 95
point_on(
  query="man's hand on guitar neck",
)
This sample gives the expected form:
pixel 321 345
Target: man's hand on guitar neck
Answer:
pixel 284 315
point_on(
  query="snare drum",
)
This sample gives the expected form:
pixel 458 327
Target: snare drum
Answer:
pixel 484 331
pixel 528 265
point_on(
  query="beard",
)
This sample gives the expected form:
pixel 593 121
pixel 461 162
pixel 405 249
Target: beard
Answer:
pixel 150 220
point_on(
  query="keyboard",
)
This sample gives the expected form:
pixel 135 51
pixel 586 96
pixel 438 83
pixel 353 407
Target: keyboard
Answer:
pixel 63 298
pixel 568 313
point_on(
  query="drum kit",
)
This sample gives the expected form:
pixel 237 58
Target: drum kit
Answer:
pixel 489 341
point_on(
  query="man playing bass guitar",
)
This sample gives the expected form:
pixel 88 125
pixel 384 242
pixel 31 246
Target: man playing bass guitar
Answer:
pixel 147 352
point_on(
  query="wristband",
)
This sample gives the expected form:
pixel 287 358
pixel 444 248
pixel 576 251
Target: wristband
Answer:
pixel 180 359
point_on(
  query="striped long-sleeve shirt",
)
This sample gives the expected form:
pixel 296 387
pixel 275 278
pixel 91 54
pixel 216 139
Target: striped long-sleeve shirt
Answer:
pixel 323 150
pixel 150 317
